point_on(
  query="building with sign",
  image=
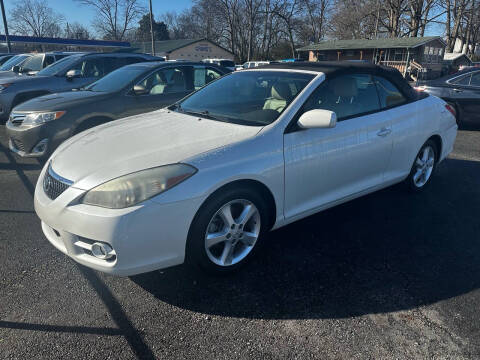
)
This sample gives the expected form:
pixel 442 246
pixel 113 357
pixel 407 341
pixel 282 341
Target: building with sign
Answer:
pixel 408 54
pixel 186 49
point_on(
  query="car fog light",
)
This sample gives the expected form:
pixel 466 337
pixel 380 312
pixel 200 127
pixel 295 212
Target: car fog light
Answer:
pixel 102 251
pixel 41 147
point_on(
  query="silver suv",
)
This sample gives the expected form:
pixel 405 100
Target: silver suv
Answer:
pixel 72 72
pixel 35 63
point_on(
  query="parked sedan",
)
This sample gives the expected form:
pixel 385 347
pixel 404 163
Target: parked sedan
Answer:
pixel 203 180
pixel 461 90
pixel 38 126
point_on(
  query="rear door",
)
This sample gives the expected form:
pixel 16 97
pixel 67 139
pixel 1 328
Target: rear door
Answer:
pixel 326 165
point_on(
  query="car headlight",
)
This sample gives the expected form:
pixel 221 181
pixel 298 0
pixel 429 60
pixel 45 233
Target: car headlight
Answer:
pixel 129 190
pixel 37 118
pixel 4 86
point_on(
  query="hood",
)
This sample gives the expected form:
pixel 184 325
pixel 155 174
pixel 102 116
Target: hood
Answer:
pixel 21 79
pixel 60 101
pixel 8 74
pixel 140 142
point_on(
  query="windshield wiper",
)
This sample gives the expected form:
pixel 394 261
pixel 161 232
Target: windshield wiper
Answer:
pixel 204 114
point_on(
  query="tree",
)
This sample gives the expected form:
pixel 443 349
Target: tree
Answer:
pixel 35 18
pixel 160 30
pixel 76 31
pixel 114 17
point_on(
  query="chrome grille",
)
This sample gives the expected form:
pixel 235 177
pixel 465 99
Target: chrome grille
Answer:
pixel 17 144
pixel 54 184
pixel 17 118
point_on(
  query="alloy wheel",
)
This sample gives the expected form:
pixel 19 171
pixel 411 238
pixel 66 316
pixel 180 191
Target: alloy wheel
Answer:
pixel 232 232
pixel 424 166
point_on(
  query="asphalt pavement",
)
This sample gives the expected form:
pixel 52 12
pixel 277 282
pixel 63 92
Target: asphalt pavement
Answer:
pixel 389 275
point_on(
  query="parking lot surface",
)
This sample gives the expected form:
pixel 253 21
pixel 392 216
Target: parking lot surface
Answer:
pixel 389 275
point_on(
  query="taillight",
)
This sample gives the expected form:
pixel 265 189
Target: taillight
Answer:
pixel 451 109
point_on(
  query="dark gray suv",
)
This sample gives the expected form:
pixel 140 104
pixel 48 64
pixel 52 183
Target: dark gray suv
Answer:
pixel 72 72
pixel 38 126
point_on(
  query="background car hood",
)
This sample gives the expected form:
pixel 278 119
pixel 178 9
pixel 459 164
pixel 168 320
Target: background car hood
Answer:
pixel 22 79
pixel 140 142
pixel 59 101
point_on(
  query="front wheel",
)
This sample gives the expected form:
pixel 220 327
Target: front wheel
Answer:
pixel 226 230
pixel 423 167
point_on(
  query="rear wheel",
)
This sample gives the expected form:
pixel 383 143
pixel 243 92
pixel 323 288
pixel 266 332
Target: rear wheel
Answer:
pixel 226 230
pixel 423 167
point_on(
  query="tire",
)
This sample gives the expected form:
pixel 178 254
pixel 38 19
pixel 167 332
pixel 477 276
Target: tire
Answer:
pixel 423 167
pixel 218 246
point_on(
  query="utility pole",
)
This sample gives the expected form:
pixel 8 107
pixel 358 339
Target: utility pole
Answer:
pixel 6 26
pixel 151 28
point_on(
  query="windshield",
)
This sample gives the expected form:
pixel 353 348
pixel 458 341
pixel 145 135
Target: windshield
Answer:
pixel 253 98
pixel 33 63
pixel 59 66
pixel 17 59
pixel 117 79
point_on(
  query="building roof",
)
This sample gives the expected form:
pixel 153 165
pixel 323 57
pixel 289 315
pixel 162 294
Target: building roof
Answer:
pixel 405 42
pixel 167 46
pixel 453 56
pixel 63 41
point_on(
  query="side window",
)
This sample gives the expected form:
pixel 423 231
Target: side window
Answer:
pixel 475 81
pixel 111 63
pixel 90 68
pixel 388 93
pixel 463 80
pixel 202 76
pixel 346 95
pixel 133 60
pixel 49 60
pixel 165 81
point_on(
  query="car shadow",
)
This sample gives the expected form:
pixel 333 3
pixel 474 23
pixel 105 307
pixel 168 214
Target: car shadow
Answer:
pixel 385 252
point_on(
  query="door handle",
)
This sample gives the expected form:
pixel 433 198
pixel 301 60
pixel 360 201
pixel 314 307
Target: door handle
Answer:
pixel 384 132
pixel 458 90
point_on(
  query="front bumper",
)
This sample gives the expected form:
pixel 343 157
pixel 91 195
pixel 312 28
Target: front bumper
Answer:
pixel 146 237
pixel 24 140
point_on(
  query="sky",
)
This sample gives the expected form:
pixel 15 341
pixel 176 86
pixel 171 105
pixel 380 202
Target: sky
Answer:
pixel 74 12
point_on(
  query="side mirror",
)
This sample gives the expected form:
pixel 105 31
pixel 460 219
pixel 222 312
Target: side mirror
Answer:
pixel 16 69
pixel 140 90
pixel 74 73
pixel 317 119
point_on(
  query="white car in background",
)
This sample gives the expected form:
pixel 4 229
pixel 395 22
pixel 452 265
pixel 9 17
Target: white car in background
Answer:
pixel 203 180
pixel 226 63
pixel 254 64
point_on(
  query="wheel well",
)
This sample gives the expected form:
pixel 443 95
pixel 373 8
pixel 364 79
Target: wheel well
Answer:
pixel 27 96
pixel 438 142
pixel 261 188
pixel 91 122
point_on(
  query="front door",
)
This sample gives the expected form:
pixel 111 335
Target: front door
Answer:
pixel 326 165
pixel 164 87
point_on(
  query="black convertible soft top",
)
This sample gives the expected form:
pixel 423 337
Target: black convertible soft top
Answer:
pixel 334 68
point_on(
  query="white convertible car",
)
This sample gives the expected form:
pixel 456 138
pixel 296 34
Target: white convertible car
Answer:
pixel 203 180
